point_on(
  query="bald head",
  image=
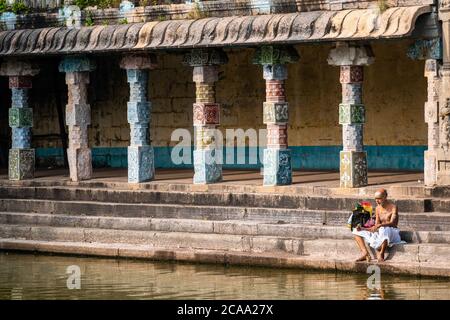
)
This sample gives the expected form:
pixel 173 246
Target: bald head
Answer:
pixel 381 193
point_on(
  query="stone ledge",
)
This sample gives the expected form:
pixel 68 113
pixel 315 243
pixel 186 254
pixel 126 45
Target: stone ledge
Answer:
pixel 274 260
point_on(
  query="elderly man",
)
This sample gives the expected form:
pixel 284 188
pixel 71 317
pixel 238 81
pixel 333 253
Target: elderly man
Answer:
pixel 384 233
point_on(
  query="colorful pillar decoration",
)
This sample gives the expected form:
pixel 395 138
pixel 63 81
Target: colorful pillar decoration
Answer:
pixel 353 159
pixel 21 155
pixel 277 156
pixel 206 114
pixel 431 52
pixel 78 115
pixel 141 165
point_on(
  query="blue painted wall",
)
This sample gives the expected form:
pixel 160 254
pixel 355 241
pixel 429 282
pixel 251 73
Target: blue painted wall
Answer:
pixel 304 157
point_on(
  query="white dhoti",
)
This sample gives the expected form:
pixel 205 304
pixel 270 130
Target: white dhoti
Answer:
pixel 376 239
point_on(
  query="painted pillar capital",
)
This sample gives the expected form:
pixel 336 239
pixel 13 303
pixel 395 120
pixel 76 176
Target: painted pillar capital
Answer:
pixel 71 64
pixel 205 57
pixel 19 68
pixel 275 55
pixel 426 49
pixel 345 54
pixel 139 61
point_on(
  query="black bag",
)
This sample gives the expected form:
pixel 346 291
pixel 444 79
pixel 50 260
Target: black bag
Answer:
pixel 359 217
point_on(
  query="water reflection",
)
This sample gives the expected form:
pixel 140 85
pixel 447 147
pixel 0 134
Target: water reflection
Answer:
pixel 27 276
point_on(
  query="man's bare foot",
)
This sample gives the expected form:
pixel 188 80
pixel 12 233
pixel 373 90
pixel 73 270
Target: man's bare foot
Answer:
pixel 365 257
pixel 380 257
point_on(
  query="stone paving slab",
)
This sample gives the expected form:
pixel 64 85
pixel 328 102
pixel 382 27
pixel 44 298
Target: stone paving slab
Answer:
pixel 319 183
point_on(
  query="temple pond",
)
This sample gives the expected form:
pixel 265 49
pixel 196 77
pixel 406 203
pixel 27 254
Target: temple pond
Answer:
pixel 28 276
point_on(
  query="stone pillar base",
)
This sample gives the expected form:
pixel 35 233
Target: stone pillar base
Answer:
pixel 21 164
pixel 206 168
pixel 141 164
pixel 277 167
pixel 80 163
pixel 430 172
pixel 443 168
pixel 353 169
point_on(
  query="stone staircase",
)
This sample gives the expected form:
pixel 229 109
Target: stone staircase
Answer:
pixel 279 230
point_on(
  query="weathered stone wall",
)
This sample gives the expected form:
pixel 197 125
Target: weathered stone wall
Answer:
pixel 394 95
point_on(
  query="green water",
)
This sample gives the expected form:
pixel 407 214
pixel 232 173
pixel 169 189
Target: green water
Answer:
pixel 28 276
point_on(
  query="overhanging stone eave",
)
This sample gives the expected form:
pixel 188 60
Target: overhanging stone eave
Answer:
pixel 228 32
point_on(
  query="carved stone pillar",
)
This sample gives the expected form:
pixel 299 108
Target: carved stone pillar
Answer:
pixel 353 159
pixel 443 152
pixel 21 155
pixel 431 52
pixel 206 114
pixel 141 165
pixel 277 156
pixel 78 115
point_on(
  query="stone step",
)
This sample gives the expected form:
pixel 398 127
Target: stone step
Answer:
pixel 431 221
pixel 235 227
pixel 322 248
pixel 264 200
pixel 266 259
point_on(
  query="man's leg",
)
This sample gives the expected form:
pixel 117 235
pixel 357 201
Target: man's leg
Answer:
pixel 380 254
pixel 362 246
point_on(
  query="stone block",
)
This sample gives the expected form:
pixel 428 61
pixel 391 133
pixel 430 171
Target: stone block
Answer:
pixel 138 112
pixel 430 168
pixel 20 117
pixel 207 166
pixel 76 78
pixel 19 98
pixel 277 167
pixel 353 169
pixel 138 91
pixel 353 137
pixel 205 92
pixel 139 134
pixel 275 72
pixel 141 164
pixel 21 164
pixel 352 93
pixel 20 82
pixel 275 91
pixel 80 163
pixel 206 113
pixel 205 74
pixel 78 136
pixel 78 115
pixel 21 138
pixel 275 112
pixel 351 74
pixel 136 75
pixel 351 113
pixel 205 137
pixel 277 136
